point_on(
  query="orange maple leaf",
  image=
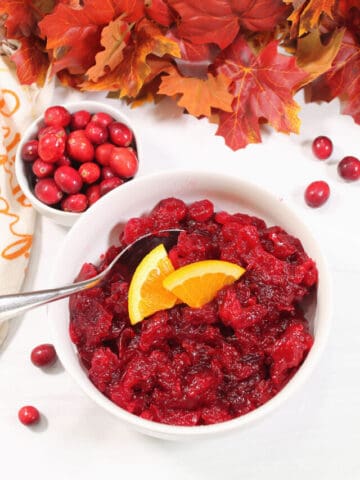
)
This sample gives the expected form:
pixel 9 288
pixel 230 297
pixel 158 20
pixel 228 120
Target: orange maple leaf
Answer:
pixel 129 76
pixel 313 56
pixel 263 88
pixel 74 33
pixel 114 38
pixel 307 14
pixel 198 96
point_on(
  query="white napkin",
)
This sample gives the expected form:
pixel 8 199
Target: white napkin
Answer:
pixel 19 105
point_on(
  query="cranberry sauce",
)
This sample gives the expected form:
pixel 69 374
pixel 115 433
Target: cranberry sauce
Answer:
pixel 187 366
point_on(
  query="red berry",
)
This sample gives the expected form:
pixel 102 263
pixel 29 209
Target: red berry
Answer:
pixel 96 133
pixel 42 169
pixel 349 168
pixel 47 191
pixel 43 355
pixel 56 130
pixel 51 147
pixel 89 172
pixel 93 194
pixel 57 116
pixel 120 134
pixel 29 151
pixel 80 119
pixel 80 148
pixel 317 193
pixel 68 179
pixel 106 172
pixel 103 152
pixel 64 160
pixel 322 147
pixel 28 415
pixel 77 134
pixel 75 203
pixel 201 211
pixel 102 118
pixel 123 162
pixel 109 184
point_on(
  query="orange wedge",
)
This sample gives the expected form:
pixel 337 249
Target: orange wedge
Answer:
pixel 198 283
pixel 146 292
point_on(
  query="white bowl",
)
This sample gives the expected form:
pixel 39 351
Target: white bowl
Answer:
pixel 60 217
pixel 94 232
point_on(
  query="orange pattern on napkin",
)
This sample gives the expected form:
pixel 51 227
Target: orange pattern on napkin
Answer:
pixel 17 110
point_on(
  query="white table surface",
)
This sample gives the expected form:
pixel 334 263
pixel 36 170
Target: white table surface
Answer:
pixel 315 435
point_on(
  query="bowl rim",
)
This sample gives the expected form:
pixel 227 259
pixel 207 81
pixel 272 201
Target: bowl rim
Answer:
pixel 152 428
pixel 48 210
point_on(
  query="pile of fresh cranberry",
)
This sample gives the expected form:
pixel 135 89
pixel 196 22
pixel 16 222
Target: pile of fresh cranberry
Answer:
pixel 77 158
pixel 318 192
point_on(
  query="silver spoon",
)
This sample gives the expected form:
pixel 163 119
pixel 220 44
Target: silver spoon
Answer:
pixel 11 305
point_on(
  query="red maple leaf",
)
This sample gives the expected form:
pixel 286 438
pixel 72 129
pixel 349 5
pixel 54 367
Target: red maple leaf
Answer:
pixel 263 88
pixel 31 62
pixel 343 79
pixel 219 21
pixel 74 33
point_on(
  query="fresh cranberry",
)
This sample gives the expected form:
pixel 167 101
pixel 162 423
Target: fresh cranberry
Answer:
pixel 120 134
pixel 93 193
pixel 28 415
pixel 55 129
pixel 322 147
pixel 102 118
pixel 89 172
pixel 106 172
pixel 51 147
pixel 75 203
pixel 68 179
pixel 349 168
pixel 43 355
pixel 96 133
pixel 80 148
pixel 80 119
pixel 29 151
pixel 77 134
pixel 123 162
pixel 57 116
pixel 47 191
pixel 63 161
pixel 317 193
pixel 109 184
pixel 42 169
pixel 103 152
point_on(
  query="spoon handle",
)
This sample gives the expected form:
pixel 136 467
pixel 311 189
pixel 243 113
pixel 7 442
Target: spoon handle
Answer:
pixel 12 305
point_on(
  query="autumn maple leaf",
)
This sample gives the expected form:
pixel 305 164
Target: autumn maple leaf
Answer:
pixel 22 15
pixel 131 73
pixel 31 62
pixel 219 21
pixel 307 14
pixel 315 57
pixel 197 95
pixel 343 79
pixel 74 33
pixel 262 87
pixel 114 37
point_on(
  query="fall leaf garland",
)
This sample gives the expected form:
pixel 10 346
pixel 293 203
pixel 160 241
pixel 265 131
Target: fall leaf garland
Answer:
pixel 237 61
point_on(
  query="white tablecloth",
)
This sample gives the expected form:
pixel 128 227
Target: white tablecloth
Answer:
pixel 315 435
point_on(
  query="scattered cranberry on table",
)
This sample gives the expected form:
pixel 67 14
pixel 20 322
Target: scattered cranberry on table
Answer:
pixel 28 415
pixel 317 193
pixel 68 163
pixel 322 147
pixel 43 355
pixel 349 168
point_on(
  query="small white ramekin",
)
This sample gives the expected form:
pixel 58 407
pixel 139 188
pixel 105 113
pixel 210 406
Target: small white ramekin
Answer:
pixel 59 216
